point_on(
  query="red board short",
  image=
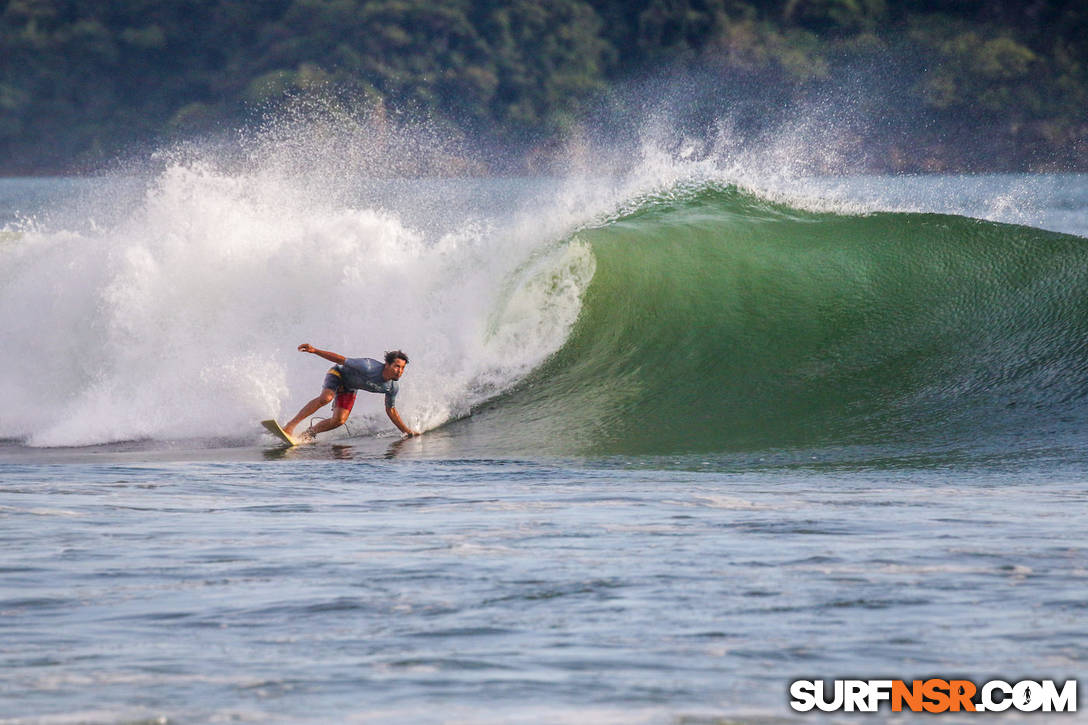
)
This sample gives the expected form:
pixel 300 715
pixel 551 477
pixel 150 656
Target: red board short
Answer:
pixel 345 399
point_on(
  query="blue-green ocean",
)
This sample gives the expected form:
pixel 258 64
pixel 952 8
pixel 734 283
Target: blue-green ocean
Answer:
pixel 690 435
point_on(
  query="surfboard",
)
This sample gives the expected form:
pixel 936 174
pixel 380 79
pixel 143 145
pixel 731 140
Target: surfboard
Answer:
pixel 274 428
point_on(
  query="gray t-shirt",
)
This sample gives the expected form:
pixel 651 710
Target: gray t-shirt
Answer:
pixel 364 373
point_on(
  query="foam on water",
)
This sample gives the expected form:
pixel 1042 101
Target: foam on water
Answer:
pixel 181 320
pixel 169 307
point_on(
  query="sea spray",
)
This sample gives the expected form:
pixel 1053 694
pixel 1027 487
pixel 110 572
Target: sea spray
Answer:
pixel 181 320
pixel 717 296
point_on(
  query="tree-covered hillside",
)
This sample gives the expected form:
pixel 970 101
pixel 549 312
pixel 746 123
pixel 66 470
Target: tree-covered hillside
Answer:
pixel 930 84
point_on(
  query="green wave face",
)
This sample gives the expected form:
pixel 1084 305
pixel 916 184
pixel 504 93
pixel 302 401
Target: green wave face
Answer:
pixel 722 322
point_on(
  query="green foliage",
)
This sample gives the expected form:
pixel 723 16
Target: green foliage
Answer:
pixel 836 16
pixel 762 50
pixel 81 81
pixel 994 75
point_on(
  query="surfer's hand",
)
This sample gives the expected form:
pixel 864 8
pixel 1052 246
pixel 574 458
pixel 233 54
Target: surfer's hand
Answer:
pixel 305 347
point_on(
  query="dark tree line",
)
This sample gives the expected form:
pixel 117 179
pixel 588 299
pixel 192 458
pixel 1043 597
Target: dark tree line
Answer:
pixel 945 84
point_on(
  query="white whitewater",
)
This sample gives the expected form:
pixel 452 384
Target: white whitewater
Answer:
pixel 181 319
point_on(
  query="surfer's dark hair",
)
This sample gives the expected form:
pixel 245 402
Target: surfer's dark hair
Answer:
pixel 395 355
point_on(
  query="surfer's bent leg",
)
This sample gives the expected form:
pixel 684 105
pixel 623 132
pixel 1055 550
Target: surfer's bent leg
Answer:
pixel 329 390
pixel 310 408
pixel 345 400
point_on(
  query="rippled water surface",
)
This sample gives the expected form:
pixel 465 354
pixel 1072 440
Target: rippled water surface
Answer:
pixel 876 470
pixel 438 591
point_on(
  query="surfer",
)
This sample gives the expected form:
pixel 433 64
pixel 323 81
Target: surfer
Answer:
pixel 344 379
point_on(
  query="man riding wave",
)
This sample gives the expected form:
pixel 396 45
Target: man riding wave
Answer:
pixel 343 380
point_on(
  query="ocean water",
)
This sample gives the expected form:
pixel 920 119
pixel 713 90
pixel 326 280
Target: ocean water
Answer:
pixel 691 434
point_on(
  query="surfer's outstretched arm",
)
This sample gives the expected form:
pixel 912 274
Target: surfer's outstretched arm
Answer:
pixel 330 356
pixel 395 417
